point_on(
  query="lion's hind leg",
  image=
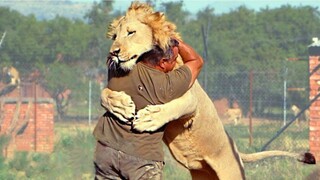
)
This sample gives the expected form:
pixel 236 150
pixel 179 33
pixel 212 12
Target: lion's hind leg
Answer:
pixel 203 174
pixel 227 164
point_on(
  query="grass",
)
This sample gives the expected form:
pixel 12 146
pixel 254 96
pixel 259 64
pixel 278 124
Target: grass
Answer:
pixel 294 139
pixel 72 157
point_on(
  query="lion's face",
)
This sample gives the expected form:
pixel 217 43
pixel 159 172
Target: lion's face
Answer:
pixel 131 39
pixel 137 32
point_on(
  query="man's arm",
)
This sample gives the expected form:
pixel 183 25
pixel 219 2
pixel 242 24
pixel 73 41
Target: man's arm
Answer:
pixel 191 59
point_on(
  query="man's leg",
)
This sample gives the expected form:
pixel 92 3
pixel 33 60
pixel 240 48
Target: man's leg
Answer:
pixel 135 168
pixel 106 163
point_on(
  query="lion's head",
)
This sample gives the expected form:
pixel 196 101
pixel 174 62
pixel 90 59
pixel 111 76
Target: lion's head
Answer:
pixel 136 33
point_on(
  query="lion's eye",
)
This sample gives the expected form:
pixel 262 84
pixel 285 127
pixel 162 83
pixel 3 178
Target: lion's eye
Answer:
pixel 130 33
pixel 114 37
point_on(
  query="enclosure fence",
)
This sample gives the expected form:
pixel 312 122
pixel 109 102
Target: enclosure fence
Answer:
pixel 268 102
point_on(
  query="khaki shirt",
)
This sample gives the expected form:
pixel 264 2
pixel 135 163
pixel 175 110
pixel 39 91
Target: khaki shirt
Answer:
pixel 146 86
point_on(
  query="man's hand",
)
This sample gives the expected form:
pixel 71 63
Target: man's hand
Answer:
pixel 119 104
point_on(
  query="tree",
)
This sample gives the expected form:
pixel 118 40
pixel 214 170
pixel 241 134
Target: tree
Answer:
pixel 67 37
pixel 58 79
pixel 98 18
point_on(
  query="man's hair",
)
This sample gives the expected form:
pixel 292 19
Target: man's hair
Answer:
pixel 153 56
pixel 169 52
pixel 156 53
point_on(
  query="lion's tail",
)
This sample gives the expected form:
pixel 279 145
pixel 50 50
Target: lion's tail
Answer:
pixel 307 157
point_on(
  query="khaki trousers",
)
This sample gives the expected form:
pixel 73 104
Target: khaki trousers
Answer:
pixel 116 165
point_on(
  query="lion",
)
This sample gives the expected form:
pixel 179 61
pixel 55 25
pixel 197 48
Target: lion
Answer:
pixel 296 111
pixel 13 75
pixel 234 114
pixel 194 133
pixel 10 76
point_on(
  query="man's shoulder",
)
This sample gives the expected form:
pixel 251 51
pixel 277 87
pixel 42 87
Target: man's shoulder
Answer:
pixel 184 69
pixel 144 66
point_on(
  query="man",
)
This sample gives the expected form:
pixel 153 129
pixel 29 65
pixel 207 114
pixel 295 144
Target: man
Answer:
pixel 122 152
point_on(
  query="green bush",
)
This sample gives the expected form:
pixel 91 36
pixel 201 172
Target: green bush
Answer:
pixel 5 172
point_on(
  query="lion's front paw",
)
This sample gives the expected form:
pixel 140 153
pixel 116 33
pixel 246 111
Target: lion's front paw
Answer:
pixel 150 119
pixel 118 103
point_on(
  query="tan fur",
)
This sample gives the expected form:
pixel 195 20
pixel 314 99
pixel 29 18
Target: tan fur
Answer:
pixel 198 140
pixel 234 114
pixel 296 111
pixel 13 73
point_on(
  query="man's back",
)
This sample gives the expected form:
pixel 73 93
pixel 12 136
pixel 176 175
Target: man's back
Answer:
pixel 146 86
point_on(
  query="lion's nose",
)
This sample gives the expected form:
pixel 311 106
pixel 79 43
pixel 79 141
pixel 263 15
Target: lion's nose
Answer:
pixel 115 52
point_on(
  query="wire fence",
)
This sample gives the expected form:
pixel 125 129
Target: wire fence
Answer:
pixel 262 103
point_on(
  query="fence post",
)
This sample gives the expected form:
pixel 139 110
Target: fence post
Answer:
pixel 205 55
pixel 285 96
pixel 250 108
pixel 35 116
pixel 89 113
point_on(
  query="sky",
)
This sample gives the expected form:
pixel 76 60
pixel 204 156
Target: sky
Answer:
pixel 224 6
pixel 193 6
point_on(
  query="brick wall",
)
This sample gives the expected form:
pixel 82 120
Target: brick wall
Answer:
pixel 314 123
pixel 30 125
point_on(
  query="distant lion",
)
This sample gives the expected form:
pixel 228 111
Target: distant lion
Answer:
pixel 13 75
pixel 234 114
pixel 297 110
pixel 198 139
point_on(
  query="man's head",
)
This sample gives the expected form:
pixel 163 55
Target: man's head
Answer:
pixel 162 60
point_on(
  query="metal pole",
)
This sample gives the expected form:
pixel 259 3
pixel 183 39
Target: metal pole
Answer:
pixel 250 108
pixel 285 97
pixel 205 55
pixel 89 103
